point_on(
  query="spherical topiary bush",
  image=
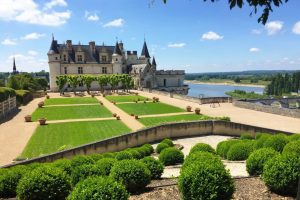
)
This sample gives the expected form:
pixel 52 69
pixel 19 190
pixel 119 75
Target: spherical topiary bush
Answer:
pixel 259 135
pixel 240 150
pixel 259 142
pixel 81 172
pixel 224 146
pixel 292 148
pixel 281 173
pixel 149 148
pixel 44 183
pixel 134 153
pixel 208 181
pixel 108 155
pixel 257 159
pixel 122 155
pixel 155 166
pixel 9 180
pixel 161 146
pixel 202 147
pixel 96 156
pixel 63 164
pixel 171 156
pixel 294 137
pixel 277 142
pixel 246 136
pixel 201 156
pixel 132 173
pixel 81 160
pixel 95 188
pixel 168 142
pixel 105 164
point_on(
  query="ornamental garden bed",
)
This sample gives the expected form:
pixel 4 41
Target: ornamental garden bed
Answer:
pixel 125 98
pixel 73 100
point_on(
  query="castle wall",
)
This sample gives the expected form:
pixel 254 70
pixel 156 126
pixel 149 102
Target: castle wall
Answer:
pixel 170 78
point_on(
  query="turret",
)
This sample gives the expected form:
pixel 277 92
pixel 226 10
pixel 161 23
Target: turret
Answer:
pixel 153 65
pixel 54 64
pixel 145 53
pixel 117 59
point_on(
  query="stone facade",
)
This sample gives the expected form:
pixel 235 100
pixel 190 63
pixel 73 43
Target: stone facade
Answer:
pixel 95 59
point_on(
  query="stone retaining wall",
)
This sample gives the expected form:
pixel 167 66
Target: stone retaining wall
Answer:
pixel 7 106
pixel 155 134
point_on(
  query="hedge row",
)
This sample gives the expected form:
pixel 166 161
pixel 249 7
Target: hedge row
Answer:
pixel 165 143
pixel 23 96
pixel 6 92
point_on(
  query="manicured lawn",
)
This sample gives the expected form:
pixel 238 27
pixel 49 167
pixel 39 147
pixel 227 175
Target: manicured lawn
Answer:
pixel 148 108
pixel 70 100
pixel 71 112
pixel 53 137
pixel 152 121
pixel 125 98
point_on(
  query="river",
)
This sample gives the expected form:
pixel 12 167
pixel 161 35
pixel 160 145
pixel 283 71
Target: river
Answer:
pixel 212 90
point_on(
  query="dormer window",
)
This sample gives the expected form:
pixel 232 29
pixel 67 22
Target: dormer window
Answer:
pixel 103 59
pixel 65 57
pixel 79 58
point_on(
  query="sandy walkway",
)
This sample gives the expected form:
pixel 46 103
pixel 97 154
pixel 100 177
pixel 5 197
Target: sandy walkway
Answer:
pixel 240 115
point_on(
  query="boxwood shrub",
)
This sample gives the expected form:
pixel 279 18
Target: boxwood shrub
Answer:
pixel 63 164
pixel 259 135
pixel 224 146
pixel 81 172
pixel 132 173
pixel 155 166
pixel 277 142
pixel 95 188
pixel 171 156
pixel 292 148
pixel 161 146
pixel 122 155
pixel 81 160
pixel 261 139
pixel 240 150
pixel 201 156
pixel 44 183
pixel 246 136
pixel 105 164
pixel 96 156
pixel 168 142
pixel 134 153
pixel 294 137
pixel 149 148
pixel 202 147
pixel 257 159
pixel 281 173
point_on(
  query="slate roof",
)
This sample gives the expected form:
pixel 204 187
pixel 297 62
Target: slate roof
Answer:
pixel 117 49
pixel 153 61
pixel 145 51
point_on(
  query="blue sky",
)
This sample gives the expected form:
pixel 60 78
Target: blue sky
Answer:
pixel 185 34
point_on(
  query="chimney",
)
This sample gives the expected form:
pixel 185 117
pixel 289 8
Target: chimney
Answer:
pixel 92 45
pixel 69 44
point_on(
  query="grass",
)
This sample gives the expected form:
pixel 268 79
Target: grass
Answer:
pixel 230 81
pixel 73 100
pixel 148 108
pixel 240 94
pixel 71 112
pixel 153 121
pixel 53 137
pixel 125 98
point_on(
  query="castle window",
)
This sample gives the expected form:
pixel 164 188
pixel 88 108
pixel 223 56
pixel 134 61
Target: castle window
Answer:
pixel 65 57
pixel 80 70
pixel 56 58
pixel 103 58
pixel 104 70
pixel 116 59
pixel 66 70
pixel 79 58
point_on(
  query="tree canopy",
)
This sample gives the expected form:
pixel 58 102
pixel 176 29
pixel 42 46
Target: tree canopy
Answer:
pixel 266 5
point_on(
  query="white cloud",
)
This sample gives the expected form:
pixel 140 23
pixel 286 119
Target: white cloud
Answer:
pixel 28 62
pixel 256 31
pixel 32 53
pixel 27 11
pixel 212 36
pixel 8 41
pixel 296 28
pixel 91 16
pixel 274 27
pixel 115 23
pixel 254 49
pixel 176 45
pixel 33 36
pixel 53 3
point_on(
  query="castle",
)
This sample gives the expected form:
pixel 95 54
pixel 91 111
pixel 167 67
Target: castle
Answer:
pixel 92 59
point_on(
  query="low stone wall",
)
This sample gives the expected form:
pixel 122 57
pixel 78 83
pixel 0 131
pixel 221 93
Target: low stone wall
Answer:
pixel 7 106
pixel 155 134
pixel 268 109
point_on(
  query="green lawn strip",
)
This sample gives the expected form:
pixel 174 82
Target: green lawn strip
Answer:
pixel 148 108
pixel 71 112
pixel 53 137
pixel 152 121
pixel 125 98
pixel 73 100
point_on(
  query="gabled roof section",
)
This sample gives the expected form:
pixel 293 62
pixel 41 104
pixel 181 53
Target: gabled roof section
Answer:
pixel 117 49
pixel 145 51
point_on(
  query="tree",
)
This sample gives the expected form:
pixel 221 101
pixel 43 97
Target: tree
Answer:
pixel 87 80
pixel 61 82
pixel 126 81
pixel 43 83
pixel 73 81
pixel 114 81
pixel 266 5
pixel 102 81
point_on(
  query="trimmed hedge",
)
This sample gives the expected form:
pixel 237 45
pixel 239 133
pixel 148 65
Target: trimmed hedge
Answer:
pixel 44 183
pixel 240 150
pixel 168 142
pixel 202 147
pixel 201 156
pixel 224 146
pixel 132 173
pixel 6 92
pixel 96 156
pixel 246 136
pixel 95 188
pixel 261 139
pixel 23 96
pixel 123 155
pixel 161 146
pixel 63 164
pixel 81 160
pixel 257 159
pixel 104 165
pixel 81 172
pixel 281 173
pixel 171 156
pixel 149 148
pixel 294 137
pixel 155 166
pixel 292 148
pixel 277 142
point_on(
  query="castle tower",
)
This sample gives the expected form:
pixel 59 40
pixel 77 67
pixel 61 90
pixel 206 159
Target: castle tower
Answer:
pixel 54 64
pixel 117 60
pixel 145 53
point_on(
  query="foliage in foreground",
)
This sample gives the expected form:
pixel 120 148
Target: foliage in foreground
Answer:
pixel 171 156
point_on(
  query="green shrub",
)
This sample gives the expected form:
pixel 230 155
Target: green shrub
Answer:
pixel 134 153
pixel 23 96
pixel 95 188
pixel 9 180
pixel 44 183
pixel 149 148
pixel 6 92
pixel 277 142
pixel 246 136
pixel 132 173
pixel 294 137
pixel 96 156
pixel 105 165
pixel 261 139
pixel 240 150
pixel 161 146
pixel 171 156
pixel 224 146
pixel 168 142
pixel 281 173
pixel 292 148
pixel 201 156
pixel 63 164
pixel 81 172
pixel 81 160
pixel 108 155
pixel 257 159
pixel 122 155
pixel 155 166
pixel 259 135
pixel 202 147
pixel 205 180
pixel 227 119
pixel 142 150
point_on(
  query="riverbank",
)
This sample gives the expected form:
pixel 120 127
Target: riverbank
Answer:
pixel 224 83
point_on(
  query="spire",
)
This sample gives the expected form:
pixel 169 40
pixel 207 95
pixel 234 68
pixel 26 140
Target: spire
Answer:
pixel 53 47
pixel 145 51
pixel 14 67
pixel 153 62
pixel 117 49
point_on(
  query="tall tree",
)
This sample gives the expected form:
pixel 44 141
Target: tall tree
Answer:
pixel 102 81
pixel 73 81
pixel 87 80
pixel 61 81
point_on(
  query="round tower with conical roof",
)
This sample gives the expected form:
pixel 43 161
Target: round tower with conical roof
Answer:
pixel 54 64
pixel 117 60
